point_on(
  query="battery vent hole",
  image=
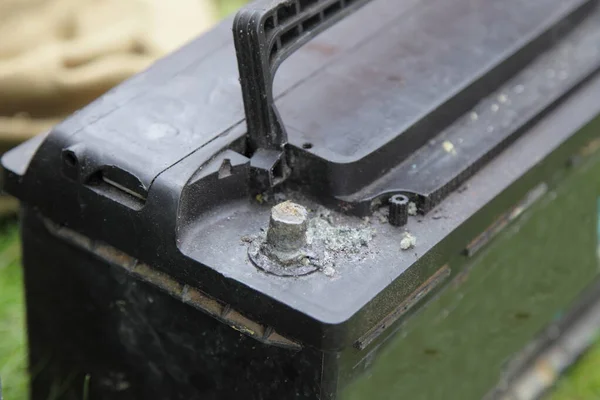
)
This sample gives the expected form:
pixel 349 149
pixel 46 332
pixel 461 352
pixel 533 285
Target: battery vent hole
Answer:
pixel 70 159
pixel 118 185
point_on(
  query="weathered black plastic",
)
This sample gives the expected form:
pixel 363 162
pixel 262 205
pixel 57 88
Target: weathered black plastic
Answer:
pixel 266 32
pixel 409 157
pixel 182 160
pixel 257 34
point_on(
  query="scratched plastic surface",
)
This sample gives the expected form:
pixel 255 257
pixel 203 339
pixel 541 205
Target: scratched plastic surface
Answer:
pixel 184 102
pixel 188 99
pixel 409 67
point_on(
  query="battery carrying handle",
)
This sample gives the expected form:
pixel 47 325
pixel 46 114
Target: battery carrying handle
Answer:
pixel 266 32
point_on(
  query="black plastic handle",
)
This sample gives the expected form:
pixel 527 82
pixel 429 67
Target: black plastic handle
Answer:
pixel 266 32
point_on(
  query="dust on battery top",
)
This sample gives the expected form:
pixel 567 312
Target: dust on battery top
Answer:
pixel 181 164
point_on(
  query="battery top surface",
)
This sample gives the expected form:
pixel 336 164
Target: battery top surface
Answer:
pixel 349 92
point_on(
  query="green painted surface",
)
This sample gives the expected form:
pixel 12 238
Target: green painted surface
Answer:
pixel 456 348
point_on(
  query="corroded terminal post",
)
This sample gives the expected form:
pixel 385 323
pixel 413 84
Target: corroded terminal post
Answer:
pixel 285 251
pixel 287 227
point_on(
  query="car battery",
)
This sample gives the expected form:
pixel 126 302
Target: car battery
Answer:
pixel 325 199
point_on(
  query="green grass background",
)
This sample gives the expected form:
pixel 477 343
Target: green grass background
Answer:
pixel 582 382
pixel 13 353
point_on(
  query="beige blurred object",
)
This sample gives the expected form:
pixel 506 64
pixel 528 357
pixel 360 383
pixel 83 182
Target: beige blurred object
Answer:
pixel 58 55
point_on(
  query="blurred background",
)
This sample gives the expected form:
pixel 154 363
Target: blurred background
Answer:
pixel 58 55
